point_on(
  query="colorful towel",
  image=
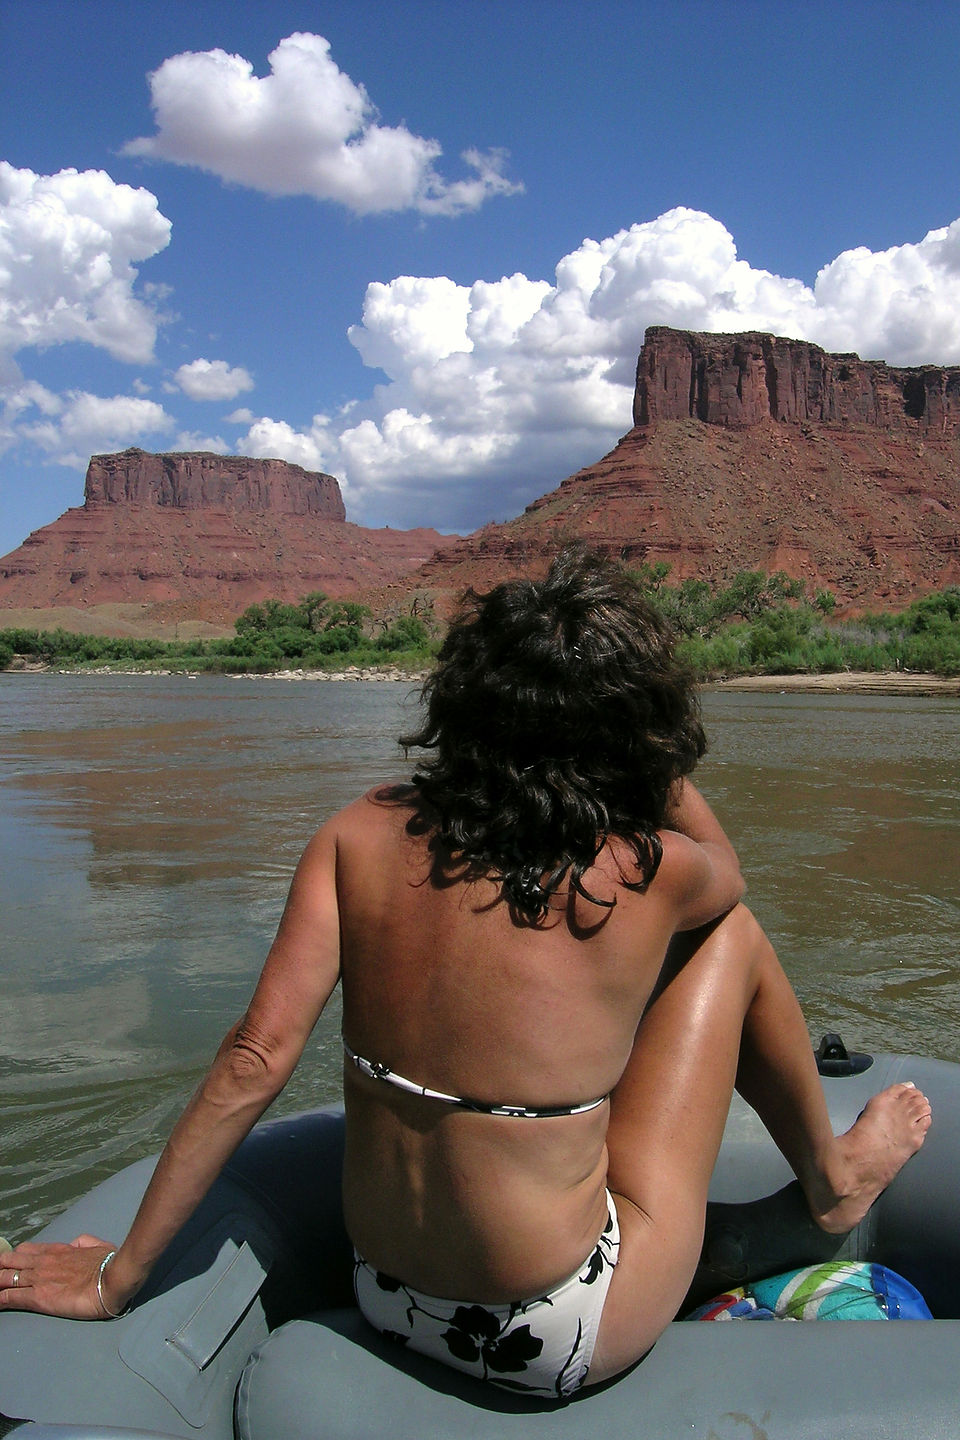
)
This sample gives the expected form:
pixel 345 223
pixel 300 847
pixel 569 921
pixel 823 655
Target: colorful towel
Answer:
pixel 839 1290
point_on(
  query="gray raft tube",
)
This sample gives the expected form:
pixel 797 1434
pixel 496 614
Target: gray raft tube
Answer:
pixel 214 1348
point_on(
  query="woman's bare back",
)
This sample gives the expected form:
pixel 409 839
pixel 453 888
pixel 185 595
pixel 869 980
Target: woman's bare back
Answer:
pixel 441 984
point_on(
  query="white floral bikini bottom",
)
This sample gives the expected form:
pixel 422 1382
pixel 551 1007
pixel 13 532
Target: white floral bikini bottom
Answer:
pixel 543 1345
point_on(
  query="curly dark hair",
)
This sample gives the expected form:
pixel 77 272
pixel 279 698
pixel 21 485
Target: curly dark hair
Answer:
pixel 558 716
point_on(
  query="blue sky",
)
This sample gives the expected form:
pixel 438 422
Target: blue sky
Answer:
pixel 251 227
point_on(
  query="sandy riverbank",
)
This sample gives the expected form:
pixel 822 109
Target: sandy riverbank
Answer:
pixel 22 666
pixel 853 682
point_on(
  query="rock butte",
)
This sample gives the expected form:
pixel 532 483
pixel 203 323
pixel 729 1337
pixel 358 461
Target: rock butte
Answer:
pixel 197 535
pixel 748 451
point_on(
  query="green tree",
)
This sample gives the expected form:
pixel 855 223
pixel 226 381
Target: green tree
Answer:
pixel 406 633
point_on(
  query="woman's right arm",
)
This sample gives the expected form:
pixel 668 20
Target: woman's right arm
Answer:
pixel 700 859
pixel 251 1067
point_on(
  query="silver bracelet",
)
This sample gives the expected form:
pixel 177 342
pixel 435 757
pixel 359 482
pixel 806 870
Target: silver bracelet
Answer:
pixel 113 1315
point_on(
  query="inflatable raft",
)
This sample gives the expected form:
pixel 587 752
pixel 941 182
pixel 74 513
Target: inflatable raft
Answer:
pixel 247 1327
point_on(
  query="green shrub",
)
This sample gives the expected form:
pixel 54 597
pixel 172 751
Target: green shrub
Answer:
pixel 407 633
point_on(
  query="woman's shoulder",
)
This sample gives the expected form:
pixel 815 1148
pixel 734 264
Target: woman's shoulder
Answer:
pixel 678 858
pixel 392 807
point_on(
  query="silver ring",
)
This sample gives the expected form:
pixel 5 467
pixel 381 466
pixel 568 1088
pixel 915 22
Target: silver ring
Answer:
pixel 16 1278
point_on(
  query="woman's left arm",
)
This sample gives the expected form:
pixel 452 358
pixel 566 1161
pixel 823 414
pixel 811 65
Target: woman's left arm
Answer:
pixel 254 1062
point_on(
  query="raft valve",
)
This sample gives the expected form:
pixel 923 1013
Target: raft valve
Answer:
pixel 833 1057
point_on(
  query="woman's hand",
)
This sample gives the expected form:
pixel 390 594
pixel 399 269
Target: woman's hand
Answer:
pixel 59 1279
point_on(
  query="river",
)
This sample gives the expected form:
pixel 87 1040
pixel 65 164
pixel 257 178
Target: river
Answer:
pixel 149 826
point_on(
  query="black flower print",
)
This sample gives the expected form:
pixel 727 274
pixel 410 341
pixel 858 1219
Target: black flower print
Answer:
pixel 475 1334
pixel 603 1258
pixel 594 1268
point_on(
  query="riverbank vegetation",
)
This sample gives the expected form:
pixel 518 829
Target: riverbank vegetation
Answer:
pixel 315 634
pixel 756 625
pixel 767 625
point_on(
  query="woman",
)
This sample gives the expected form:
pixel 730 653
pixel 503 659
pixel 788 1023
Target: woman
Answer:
pixel 550 990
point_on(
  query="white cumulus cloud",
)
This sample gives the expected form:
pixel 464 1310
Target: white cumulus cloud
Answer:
pixel 304 129
pixel 212 380
pixel 900 305
pixel 268 438
pixel 196 440
pixel 69 245
pixel 69 428
pixel 498 390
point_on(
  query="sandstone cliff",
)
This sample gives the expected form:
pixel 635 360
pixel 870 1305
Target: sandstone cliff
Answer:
pixel 203 536
pixel 739 380
pixel 202 481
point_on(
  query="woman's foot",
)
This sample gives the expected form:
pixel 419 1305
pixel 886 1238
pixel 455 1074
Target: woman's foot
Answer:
pixel 891 1127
